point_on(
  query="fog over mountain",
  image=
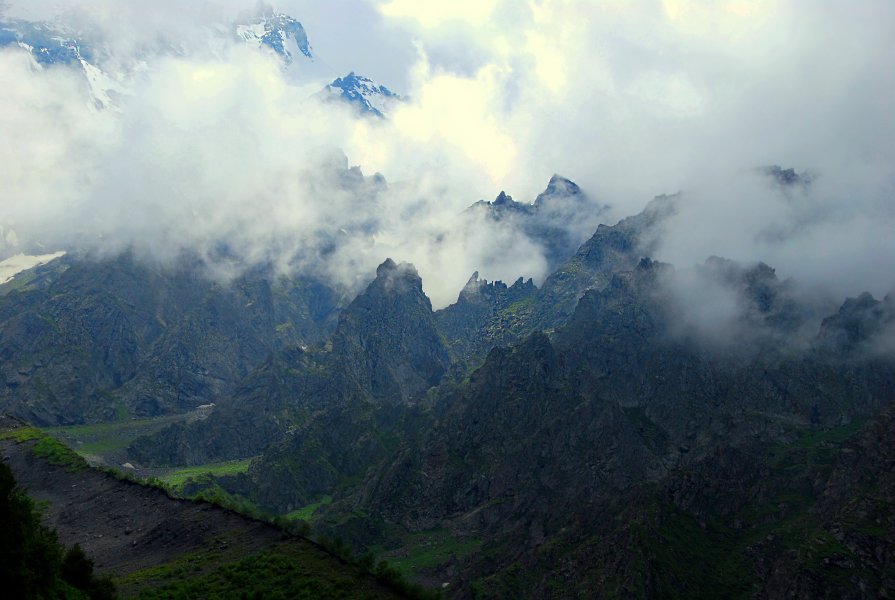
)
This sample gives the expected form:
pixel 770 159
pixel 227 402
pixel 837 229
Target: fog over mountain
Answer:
pixel 221 150
pixel 488 299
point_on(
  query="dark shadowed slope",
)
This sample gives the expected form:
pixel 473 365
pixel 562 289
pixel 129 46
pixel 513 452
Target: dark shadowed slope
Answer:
pixel 154 546
pixel 85 340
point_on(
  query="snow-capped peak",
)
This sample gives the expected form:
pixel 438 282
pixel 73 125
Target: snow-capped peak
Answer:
pixel 277 31
pixel 110 78
pixel 365 94
pixel 50 45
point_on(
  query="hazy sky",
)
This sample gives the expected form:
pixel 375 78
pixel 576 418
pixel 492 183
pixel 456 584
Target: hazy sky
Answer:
pixel 629 98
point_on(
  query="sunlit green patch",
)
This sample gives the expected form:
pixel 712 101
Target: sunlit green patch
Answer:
pixel 99 439
pixel 177 478
pixel 46 447
pixel 22 434
pixel 305 513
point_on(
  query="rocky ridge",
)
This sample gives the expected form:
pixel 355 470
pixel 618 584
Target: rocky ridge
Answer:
pixel 592 435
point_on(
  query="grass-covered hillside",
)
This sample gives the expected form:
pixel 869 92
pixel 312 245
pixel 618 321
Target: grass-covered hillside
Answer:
pixel 150 544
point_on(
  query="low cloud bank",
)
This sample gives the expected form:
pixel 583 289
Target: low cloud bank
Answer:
pixel 219 152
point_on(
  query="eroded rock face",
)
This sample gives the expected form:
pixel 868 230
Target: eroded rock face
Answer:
pixel 87 339
pixel 385 354
pixel 486 316
pixel 321 415
pixel 610 250
pixel 548 435
pixel 386 340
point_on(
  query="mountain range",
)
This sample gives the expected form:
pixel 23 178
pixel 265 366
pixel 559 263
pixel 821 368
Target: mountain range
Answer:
pixel 594 436
pixel 622 427
pixel 265 29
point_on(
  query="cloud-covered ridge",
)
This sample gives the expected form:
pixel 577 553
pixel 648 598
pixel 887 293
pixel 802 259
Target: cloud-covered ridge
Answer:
pixel 220 152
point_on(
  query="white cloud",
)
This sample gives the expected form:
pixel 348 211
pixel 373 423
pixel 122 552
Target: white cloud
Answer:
pixel 628 98
pixel 433 13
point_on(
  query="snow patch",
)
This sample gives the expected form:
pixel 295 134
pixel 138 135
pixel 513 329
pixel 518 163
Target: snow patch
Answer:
pixel 101 84
pixel 14 265
pixel 251 34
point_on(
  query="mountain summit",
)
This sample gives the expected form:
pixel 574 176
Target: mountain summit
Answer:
pixel 387 339
pixel 277 31
pixel 367 96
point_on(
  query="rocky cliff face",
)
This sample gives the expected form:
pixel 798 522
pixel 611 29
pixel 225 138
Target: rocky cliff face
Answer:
pixel 95 339
pixel 611 249
pixel 320 416
pixel 385 354
pixel 549 434
pixel 386 341
pixel 810 518
pixel 517 443
pixel 488 316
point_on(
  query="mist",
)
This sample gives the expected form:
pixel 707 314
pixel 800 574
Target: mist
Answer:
pixel 218 144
